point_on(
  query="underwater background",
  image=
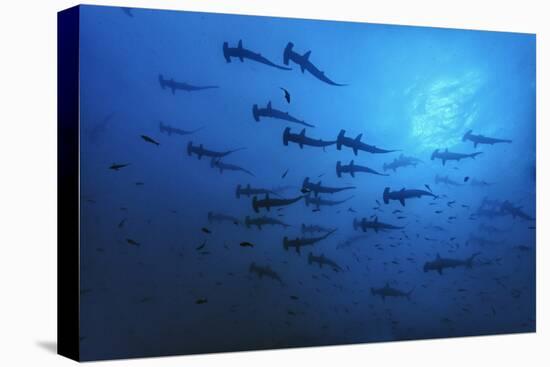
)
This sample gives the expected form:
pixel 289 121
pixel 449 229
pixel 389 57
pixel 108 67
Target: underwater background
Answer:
pixel 161 276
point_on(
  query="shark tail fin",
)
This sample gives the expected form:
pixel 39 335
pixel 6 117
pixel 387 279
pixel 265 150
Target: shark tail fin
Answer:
pixel 286 135
pixel 287 52
pixel 386 195
pixel 226 52
pixel 470 260
pixel 340 139
pixel 255 113
pixel 339 169
pixel 238 191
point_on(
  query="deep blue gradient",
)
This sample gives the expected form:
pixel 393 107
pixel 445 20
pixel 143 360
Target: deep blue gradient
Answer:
pixel 409 88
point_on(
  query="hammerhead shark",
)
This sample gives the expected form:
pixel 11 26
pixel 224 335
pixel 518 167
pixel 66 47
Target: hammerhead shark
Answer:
pixel 173 85
pixel 305 64
pixel 446 180
pixel 263 221
pixel 403 194
pixel 480 139
pixel 266 271
pixel 219 217
pixel 222 166
pixel 174 130
pixel 352 168
pixel 200 151
pixel 317 188
pixel 401 161
pixel 376 225
pixel 243 53
pixel 441 263
pixel 388 291
pixel 269 111
pixel 268 203
pixel 322 260
pixel 249 191
pixel 317 201
pixel 357 145
pixel 515 211
pixel 449 156
pixel 314 228
pixel 299 242
pixel 301 139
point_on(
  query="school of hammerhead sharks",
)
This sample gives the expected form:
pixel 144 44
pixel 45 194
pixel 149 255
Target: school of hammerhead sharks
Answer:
pixel 267 203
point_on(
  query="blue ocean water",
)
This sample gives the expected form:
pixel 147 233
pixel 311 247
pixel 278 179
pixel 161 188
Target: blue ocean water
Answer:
pixel 158 277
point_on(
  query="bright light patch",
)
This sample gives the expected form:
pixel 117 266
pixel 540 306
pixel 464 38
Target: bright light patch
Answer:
pixel 444 110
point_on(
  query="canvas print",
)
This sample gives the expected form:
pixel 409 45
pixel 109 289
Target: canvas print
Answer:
pixel 253 182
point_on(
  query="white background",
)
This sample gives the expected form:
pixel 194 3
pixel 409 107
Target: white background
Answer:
pixel 28 182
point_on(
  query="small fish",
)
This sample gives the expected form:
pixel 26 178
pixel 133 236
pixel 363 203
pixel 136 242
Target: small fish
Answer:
pixel 377 202
pixel 401 217
pixel 321 175
pixel 132 242
pixel 206 230
pixel 285 173
pixel 466 178
pixel 287 94
pixel 246 244
pixel 139 183
pixel 450 203
pixel 452 217
pixel 438 211
pixel 397 211
pixel 316 210
pixel 201 301
pixel 201 246
pixel 428 187
pixel 121 224
pixel 117 166
pixel 294 297
pixel 150 140
pixel 350 209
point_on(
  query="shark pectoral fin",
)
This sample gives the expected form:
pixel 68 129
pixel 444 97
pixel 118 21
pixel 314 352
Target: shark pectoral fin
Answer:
pixel 301 145
pixel 352 173
pixel 302 68
pixel 443 160
pixel 355 150
pixel 402 201
pixel 440 271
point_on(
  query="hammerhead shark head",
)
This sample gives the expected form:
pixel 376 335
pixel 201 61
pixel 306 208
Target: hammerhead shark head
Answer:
pixel 222 166
pixel 515 211
pixel 219 217
pixel 249 191
pixel 480 139
pixel 401 161
pixel 441 263
pixel 322 260
pixel 357 145
pixel 317 201
pixel 314 228
pixel 173 85
pixel 446 180
pixel 266 271
pixel 200 151
pixel 242 53
pixel 352 168
pixel 364 224
pixel 269 111
pixel 449 156
pixel 403 194
pixel 305 64
pixel 317 188
pixel 301 139
pixel 263 221
pixel 388 291
pixel 174 130
pixel 299 242
pixel 268 203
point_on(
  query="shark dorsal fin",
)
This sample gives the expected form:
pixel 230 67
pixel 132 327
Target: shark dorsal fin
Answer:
pixel 351 163
pixel 240 44
pixel 437 256
pixel 403 189
pixel 269 105
pixel 306 55
pixel 375 219
pixel 303 133
pixel 248 186
pixel 446 150
pixel 358 138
